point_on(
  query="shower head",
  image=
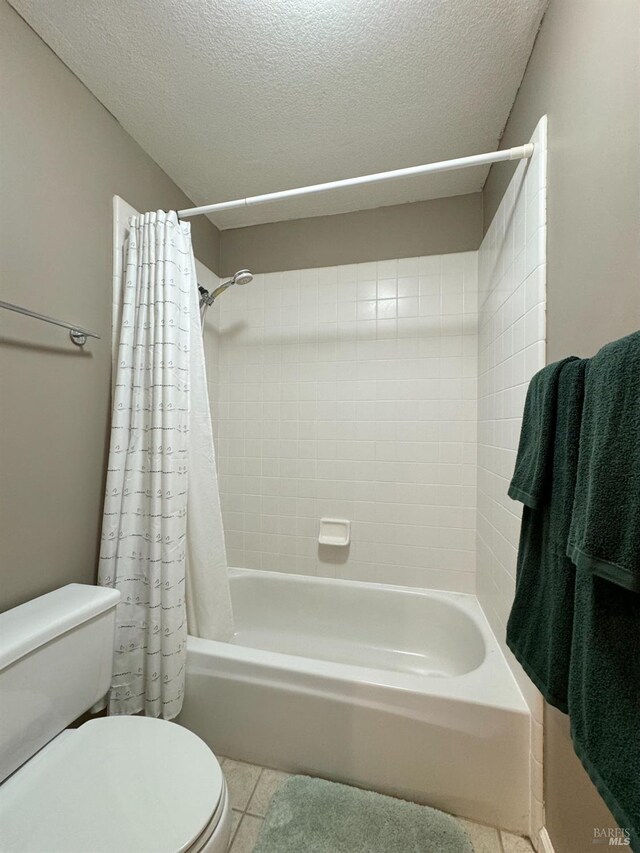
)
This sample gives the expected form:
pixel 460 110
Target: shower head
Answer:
pixel 242 277
pixel 207 299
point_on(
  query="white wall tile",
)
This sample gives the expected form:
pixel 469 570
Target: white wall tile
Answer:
pixel 351 392
pixel 511 348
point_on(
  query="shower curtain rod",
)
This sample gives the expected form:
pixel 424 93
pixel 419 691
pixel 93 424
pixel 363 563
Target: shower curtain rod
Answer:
pixel 520 152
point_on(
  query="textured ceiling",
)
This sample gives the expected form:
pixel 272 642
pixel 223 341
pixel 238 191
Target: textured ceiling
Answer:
pixel 240 97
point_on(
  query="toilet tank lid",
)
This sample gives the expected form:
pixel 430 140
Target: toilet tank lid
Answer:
pixel 29 626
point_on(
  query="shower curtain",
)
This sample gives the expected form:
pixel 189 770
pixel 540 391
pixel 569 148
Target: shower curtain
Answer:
pixel 162 539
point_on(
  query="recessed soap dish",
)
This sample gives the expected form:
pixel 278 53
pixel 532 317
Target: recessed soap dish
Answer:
pixel 334 531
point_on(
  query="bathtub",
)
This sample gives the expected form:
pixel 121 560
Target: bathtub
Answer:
pixel 404 691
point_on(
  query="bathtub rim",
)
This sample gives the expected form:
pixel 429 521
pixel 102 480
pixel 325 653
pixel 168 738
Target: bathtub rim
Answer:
pixel 491 684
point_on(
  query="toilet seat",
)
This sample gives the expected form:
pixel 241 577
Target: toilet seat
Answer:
pixel 216 835
pixel 116 785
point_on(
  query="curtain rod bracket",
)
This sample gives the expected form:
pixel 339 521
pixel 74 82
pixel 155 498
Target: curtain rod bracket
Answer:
pixel 78 338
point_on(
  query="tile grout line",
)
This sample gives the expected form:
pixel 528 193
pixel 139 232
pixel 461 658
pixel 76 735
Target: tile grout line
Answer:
pixel 244 811
pixel 258 778
pixel 255 814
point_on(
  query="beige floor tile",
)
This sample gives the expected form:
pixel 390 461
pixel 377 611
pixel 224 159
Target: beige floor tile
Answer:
pixel 236 817
pixel 247 834
pixel 515 843
pixel 484 838
pixel 268 784
pixel 241 779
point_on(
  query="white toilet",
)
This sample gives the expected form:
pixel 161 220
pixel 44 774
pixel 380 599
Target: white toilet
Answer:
pixel 113 785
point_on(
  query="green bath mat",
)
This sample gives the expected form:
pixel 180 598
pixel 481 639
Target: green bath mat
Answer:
pixel 314 816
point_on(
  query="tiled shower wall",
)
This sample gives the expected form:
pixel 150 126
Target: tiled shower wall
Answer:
pixel 511 348
pixel 350 392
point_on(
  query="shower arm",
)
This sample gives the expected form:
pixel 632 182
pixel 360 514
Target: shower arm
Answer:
pixel 221 289
pixel 209 298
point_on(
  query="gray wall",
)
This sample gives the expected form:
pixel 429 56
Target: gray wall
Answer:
pixel 399 231
pixel 63 157
pixel 584 72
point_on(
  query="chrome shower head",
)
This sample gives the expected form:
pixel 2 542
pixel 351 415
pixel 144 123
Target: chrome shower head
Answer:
pixel 242 277
pixel 207 299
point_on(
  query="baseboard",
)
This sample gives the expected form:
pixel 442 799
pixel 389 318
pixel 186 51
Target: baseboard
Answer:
pixel 545 842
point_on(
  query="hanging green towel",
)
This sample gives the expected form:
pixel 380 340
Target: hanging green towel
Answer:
pixel 604 543
pixel 534 460
pixel 604 694
pixel 605 527
pixel 540 624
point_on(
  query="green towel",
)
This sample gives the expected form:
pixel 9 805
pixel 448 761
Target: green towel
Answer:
pixel 604 694
pixel 605 528
pixel 532 471
pixel 604 543
pixel 540 625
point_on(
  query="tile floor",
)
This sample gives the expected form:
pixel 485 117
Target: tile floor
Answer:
pixel 251 788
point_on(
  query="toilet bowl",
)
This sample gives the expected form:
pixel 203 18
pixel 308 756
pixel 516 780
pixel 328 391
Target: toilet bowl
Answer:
pixel 118 785
pixel 123 784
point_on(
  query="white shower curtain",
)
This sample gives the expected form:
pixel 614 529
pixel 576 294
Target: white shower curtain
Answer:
pixel 162 539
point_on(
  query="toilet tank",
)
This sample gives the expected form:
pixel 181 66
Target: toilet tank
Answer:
pixel 55 663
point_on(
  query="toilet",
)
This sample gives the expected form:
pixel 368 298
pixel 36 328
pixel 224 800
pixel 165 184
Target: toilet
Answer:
pixel 113 785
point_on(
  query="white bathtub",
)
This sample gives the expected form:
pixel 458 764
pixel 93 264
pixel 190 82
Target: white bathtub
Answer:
pixel 404 691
